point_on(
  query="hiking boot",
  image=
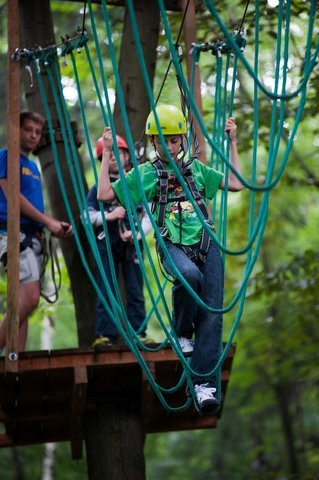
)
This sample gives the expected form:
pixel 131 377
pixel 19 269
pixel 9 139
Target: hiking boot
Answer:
pixel 102 342
pixel 206 401
pixel 146 340
pixel 186 344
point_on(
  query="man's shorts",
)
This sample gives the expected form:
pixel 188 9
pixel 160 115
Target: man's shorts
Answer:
pixel 31 259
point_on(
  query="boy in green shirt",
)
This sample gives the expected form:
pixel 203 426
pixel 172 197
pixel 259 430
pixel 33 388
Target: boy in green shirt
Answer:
pixel 191 251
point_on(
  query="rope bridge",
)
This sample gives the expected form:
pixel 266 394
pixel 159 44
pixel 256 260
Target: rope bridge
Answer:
pixel 230 60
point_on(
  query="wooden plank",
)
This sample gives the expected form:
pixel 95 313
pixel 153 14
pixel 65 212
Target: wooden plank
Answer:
pixel 169 4
pixel 181 423
pixel 6 441
pixel 79 390
pixel 190 38
pixel 39 406
pixel 147 396
pixel 79 400
pixel 13 200
pixel 71 358
pixel 76 438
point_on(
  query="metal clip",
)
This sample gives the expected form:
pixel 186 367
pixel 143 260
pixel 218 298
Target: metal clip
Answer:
pixel 163 232
pixel 37 61
pixel 101 235
pixel 29 70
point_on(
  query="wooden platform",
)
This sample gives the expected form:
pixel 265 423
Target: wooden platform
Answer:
pixel 173 5
pixel 46 400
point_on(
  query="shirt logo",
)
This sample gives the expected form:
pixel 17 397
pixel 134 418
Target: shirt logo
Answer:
pixel 26 171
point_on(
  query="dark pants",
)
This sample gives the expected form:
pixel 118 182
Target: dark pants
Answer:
pixel 124 257
pixel 207 280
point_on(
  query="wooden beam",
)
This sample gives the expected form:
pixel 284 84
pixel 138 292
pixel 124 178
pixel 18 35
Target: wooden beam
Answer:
pixel 79 389
pixel 6 441
pixel 78 407
pixel 70 358
pixel 13 200
pixel 190 38
pixel 147 396
pixel 48 404
pixel 172 5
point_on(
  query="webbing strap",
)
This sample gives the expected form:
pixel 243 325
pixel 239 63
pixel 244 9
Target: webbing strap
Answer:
pixel 162 175
pixel 162 201
pixel 205 238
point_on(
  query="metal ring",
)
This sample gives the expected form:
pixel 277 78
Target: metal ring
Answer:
pixel 13 356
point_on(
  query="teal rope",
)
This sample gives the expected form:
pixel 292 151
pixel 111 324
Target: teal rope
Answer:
pixel 256 228
pixel 247 66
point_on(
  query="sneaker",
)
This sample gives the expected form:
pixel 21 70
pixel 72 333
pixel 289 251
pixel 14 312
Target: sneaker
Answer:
pixel 147 341
pixel 206 401
pixel 102 342
pixel 186 344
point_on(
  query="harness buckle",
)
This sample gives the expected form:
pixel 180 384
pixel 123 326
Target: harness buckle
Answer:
pixel 201 258
pixel 209 222
pixel 163 232
pixel 162 199
pixel 189 252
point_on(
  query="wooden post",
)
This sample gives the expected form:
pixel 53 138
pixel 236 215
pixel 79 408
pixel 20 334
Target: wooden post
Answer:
pixel 13 217
pixel 190 37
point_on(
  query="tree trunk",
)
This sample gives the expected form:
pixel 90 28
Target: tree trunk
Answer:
pixel 135 95
pixel 37 28
pixel 113 433
pixel 284 394
pixel 114 444
pixel 19 473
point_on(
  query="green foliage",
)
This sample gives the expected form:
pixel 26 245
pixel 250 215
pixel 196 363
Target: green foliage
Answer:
pixel 60 315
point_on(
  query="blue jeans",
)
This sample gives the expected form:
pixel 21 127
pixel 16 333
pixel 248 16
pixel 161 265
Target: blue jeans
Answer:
pixel 189 319
pixel 125 257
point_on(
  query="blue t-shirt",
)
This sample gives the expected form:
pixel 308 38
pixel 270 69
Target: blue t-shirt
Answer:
pixel 30 187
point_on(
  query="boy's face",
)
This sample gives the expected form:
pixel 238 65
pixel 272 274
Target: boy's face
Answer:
pixel 173 142
pixel 30 135
pixel 124 156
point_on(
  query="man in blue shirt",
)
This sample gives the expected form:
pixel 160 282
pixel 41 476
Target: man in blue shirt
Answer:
pixel 33 220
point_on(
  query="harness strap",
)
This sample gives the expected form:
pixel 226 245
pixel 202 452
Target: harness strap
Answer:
pixel 162 201
pixel 28 230
pixel 48 252
pixel 163 193
pixel 205 238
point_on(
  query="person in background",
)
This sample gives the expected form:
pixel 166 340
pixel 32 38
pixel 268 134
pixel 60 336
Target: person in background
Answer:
pixel 33 220
pixel 192 252
pixel 123 252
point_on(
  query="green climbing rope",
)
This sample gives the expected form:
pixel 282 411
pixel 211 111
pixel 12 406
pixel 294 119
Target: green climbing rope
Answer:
pixel 227 61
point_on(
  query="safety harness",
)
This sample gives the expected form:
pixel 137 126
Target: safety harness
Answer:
pixel 48 253
pixel 162 200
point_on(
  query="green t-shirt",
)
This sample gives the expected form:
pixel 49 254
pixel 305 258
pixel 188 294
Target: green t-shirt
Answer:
pixel 207 181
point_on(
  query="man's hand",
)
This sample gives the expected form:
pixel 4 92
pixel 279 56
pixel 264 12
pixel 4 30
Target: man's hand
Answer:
pixel 59 229
pixel 68 230
pixel 117 214
pixel 126 236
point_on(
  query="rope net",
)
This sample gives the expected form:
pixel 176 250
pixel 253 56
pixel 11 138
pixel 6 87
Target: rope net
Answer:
pixel 276 82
